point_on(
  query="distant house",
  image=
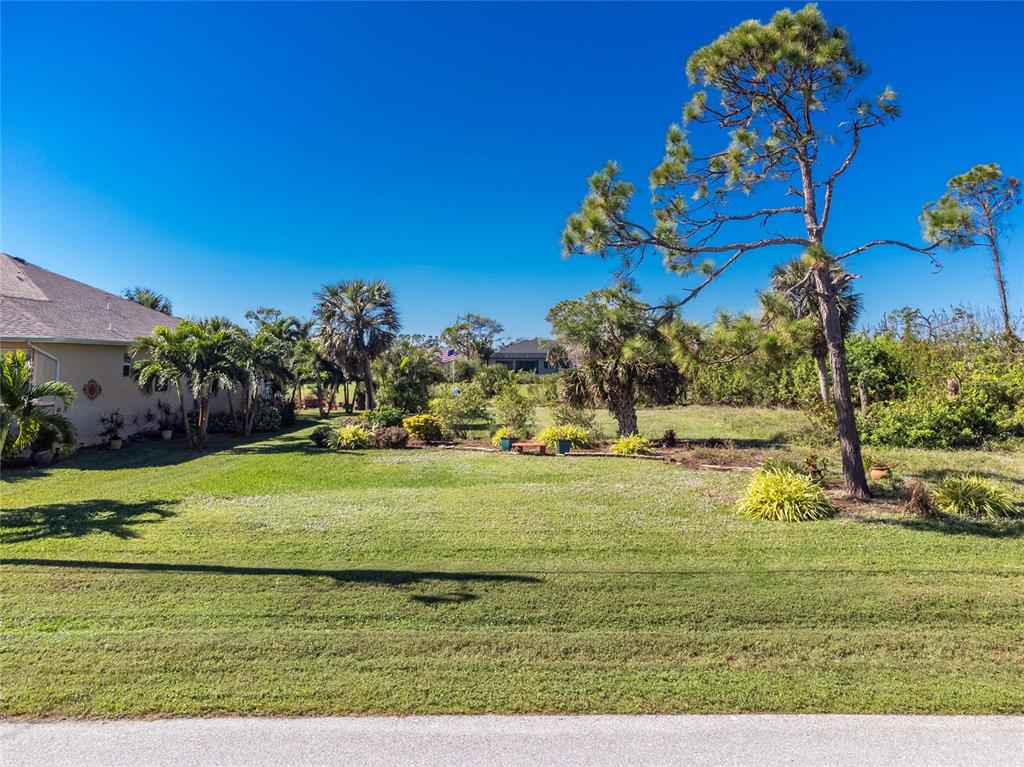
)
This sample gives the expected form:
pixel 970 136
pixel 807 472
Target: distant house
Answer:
pixel 527 354
pixel 79 334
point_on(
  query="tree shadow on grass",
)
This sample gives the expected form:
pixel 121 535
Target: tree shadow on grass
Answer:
pixel 949 525
pixel 72 520
pixel 391 578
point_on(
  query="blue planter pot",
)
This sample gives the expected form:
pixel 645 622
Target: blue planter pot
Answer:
pixel 506 444
pixel 563 446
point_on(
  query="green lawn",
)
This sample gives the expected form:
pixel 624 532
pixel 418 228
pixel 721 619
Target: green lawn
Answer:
pixel 271 578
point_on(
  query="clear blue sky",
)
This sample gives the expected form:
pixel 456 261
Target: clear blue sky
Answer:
pixel 233 155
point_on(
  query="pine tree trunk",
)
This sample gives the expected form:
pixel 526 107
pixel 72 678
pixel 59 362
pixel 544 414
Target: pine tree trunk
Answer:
pixel 1001 285
pixel 819 360
pixel 846 424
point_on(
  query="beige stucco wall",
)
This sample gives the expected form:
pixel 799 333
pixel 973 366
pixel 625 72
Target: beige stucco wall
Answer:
pixel 80 363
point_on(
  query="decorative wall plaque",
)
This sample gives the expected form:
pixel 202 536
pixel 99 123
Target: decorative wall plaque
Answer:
pixel 92 389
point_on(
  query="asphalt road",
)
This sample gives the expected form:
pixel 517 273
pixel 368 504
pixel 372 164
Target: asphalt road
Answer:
pixel 449 741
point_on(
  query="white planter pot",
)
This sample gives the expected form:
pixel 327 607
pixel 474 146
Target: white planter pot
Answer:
pixel 166 434
pixel 115 444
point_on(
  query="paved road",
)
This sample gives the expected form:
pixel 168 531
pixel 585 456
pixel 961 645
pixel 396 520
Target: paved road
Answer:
pixel 450 741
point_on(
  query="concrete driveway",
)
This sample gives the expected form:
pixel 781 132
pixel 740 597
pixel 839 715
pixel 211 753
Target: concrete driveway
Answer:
pixel 443 741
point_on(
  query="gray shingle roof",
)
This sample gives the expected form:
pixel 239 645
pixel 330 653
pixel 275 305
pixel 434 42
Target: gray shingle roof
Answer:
pixel 37 305
pixel 528 347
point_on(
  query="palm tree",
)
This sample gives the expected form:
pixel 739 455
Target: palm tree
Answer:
pixel 148 298
pixel 357 319
pixel 258 358
pixel 22 419
pixel 619 350
pixel 793 300
pixel 191 357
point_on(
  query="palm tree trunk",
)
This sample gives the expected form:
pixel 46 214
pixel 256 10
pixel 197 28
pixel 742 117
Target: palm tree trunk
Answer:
pixel 369 385
pixel 819 360
pixel 846 424
pixel 184 416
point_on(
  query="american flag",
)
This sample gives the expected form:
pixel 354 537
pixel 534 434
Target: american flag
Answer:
pixel 448 355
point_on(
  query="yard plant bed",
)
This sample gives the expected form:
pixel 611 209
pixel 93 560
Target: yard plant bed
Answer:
pixel 270 577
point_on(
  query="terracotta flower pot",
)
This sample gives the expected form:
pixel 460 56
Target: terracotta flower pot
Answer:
pixel 879 472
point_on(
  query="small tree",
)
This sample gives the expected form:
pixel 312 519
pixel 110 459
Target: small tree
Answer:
pixel 786 99
pixel 357 321
pixel 970 214
pixel 619 350
pixel 22 419
pixel 473 335
pixel 406 372
pixel 514 409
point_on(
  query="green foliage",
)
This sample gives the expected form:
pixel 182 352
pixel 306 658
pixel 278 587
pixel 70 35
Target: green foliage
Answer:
pixel 632 444
pixel 222 423
pixel 384 416
pixel 148 298
pixel 267 418
pixel 783 495
pixel 354 437
pixel 406 372
pixel 493 378
pixel 111 424
pixel 514 409
pixel 973 496
pixel 473 335
pixel 21 417
pixel 457 406
pixel 320 435
pixel 502 432
pixel 565 414
pixel 577 435
pixel 424 427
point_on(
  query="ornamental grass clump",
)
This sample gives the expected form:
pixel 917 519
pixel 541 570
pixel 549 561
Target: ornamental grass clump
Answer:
pixel 634 444
pixel 355 437
pixel 973 496
pixel 577 435
pixel 783 495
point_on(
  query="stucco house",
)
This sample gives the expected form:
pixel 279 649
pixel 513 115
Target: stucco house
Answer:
pixel 527 354
pixel 76 333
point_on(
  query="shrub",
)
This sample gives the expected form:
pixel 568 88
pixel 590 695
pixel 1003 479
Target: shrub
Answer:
pixel 492 378
pixel 564 414
pixel 424 427
pixel 973 496
pixel 783 495
pixel 320 436
pixel 391 437
pixel 267 418
pixel 514 409
pixel 501 433
pixel 457 406
pixel 287 410
pixel 932 422
pixel 222 423
pixel 385 416
pixel 634 444
pixel 577 435
pixel 354 437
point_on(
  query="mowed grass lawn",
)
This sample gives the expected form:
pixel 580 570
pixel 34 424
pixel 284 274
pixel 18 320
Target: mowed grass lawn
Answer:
pixel 271 578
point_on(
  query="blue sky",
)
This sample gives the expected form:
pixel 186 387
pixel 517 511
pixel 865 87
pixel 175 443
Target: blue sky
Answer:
pixel 234 155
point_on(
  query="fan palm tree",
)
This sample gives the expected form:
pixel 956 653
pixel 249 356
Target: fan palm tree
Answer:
pixel 148 298
pixel 619 350
pixel 22 419
pixel 793 300
pixel 357 319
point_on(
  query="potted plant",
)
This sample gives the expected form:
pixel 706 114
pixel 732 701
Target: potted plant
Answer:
pixel 165 420
pixel 877 469
pixel 113 424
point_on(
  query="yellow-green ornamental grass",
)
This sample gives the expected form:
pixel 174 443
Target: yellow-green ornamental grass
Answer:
pixel 973 496
pixel 632 445
pixel 784 495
